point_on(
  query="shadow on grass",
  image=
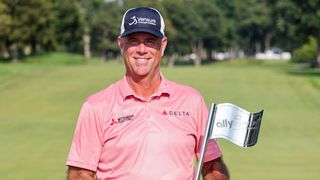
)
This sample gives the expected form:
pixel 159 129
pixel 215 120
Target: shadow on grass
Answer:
pixel 5 61
pixel 52 58
pixel 184 63
pixel 305 71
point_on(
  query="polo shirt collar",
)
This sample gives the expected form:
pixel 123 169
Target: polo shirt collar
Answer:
pixel 126 91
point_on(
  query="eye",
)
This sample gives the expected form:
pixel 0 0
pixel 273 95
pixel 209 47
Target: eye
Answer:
pixel 133 42
pixel 150 42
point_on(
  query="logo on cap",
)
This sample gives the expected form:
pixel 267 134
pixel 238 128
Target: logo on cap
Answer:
pixel 142 20
pixel 134 21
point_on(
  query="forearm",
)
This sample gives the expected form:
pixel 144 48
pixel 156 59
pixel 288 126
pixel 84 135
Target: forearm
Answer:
pixel 75 173
pixel 215 170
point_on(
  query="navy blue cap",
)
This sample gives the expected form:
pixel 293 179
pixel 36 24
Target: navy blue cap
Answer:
pixel 142 19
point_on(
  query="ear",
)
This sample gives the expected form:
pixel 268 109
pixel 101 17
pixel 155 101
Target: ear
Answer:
pixel 164 44
pixel 120 44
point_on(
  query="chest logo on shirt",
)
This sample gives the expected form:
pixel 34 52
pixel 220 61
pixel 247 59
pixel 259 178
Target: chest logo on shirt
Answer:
pixel 175 113
pixel 122 119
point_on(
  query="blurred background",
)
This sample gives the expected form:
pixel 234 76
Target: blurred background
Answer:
pixel 197 29
pixel 257 54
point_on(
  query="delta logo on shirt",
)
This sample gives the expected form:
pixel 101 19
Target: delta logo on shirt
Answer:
pixel 175 113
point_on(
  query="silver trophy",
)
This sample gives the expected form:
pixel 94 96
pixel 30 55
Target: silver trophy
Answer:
pixel 232 123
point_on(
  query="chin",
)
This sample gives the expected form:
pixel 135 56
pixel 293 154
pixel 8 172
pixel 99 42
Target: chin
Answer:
pixel 141 74
pixel 141 71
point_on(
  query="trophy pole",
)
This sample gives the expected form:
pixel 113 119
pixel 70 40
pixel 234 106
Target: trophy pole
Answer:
pixel 205 140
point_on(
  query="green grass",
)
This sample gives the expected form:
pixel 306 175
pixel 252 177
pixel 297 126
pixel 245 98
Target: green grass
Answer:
pixel 39 104
pixel 55 59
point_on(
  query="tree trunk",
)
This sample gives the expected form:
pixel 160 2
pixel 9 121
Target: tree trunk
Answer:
pixel 318 51
pixel 267 41
pixel 171 60
pixel 197 50
pixel 5 53
pixel 209 54
pixel 86 46
pixel 15 53
pixel 34 48
pixel 27 50
pixel 257 47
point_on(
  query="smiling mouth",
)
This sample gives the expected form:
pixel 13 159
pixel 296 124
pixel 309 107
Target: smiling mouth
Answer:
pixel 141 59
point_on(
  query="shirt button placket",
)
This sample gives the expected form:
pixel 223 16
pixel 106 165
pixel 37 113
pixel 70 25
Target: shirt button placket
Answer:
pixel 146 113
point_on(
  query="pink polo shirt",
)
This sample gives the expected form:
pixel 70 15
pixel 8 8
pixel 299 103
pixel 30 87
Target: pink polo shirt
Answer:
pixel 121 136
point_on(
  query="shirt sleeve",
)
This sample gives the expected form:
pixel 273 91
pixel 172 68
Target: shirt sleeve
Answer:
pixel 212 150
pixel 86 144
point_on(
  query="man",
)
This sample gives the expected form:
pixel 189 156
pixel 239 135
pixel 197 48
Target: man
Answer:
pixel 142 127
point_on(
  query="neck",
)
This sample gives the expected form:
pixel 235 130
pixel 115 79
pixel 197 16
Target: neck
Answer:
pixel 144 87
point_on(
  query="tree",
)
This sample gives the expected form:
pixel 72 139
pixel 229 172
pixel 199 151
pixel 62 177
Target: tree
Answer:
pixel 306 52
pixel 231 39
pixel 253 23
pixel 37 20
pixel 189 27
pixel 308 20
pixel 286 19
pixel 89 10
pixel 23 23
pixel 215 30
pixel 5 23
pixel 12 30
pixel 106 29
pixel 69 25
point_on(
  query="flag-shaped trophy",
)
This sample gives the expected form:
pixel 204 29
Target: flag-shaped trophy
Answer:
pixel 232 123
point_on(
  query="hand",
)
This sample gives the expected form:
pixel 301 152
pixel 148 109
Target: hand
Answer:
pixel 215 170
pixel 75 173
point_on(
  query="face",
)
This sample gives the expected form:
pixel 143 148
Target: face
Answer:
pixel 142 54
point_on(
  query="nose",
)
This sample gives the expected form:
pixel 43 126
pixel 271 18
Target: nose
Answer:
pixel 141 48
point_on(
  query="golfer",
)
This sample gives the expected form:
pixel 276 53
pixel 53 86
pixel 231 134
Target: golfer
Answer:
pixel 143 127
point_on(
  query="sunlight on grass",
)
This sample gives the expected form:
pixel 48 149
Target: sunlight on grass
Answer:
pixel 41 101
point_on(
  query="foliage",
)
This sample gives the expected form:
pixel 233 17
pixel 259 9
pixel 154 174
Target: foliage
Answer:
pixel 287 16
pixel 105 30
pixel 214 29
pixel 307 52
pixel 69 25
pixel 253 21
pixel 304 20
pixel 25 23
pixel 5 21
pixel 192 26
pixel 189 24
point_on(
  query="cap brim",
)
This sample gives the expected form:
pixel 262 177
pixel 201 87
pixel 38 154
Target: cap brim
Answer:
pixel 136 30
